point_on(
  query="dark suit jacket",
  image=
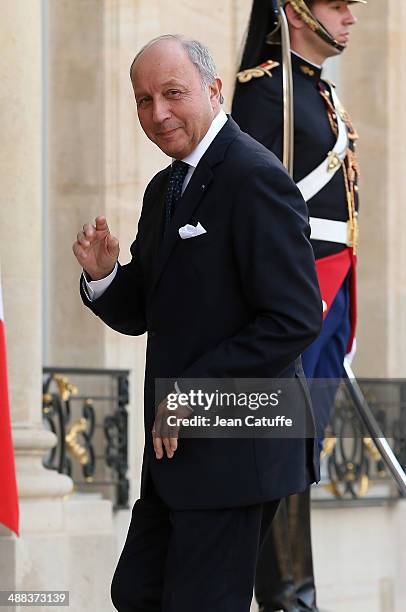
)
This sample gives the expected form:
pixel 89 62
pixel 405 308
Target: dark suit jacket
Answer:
pixel 241 301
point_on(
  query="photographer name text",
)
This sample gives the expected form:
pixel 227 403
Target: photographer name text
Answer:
pixel 248 421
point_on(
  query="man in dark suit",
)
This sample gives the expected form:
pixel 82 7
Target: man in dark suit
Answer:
pixel 222 278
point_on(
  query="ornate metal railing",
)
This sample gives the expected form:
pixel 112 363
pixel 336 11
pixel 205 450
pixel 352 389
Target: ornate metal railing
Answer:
pixel 86 409
pixel 352 468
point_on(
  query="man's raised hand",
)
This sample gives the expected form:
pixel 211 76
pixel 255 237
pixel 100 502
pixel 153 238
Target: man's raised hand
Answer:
pixel 96 249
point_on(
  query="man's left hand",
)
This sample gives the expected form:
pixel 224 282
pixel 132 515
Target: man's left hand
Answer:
pixel 165 436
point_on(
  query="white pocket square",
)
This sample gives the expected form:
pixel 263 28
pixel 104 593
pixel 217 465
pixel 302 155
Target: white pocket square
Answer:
pixel 190 231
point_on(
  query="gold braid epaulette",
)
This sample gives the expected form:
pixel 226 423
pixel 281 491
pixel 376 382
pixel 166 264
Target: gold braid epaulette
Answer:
pixel 266 68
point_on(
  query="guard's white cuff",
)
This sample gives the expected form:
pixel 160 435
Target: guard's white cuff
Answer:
pixel 94 289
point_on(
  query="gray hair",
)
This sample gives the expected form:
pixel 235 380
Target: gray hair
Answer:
pixel 198 54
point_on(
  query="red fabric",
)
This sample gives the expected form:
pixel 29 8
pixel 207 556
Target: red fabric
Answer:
pixel 331 272
pixel 353 300
pixel 9 511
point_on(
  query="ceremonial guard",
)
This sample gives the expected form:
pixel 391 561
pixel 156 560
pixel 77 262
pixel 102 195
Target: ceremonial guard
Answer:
pixel 286 45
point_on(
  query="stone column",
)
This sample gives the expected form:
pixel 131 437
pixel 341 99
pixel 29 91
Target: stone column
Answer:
pixel 21 246
pixel 395 203
pixel 374 84
pixel 54 534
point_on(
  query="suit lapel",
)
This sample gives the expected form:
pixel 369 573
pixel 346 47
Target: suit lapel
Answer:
pixel 193 195
pixel 186 206
pixel 153 226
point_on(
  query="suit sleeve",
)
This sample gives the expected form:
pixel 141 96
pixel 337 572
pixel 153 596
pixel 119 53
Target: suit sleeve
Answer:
pixel 257 108
pixel 276 268
pixel 122 305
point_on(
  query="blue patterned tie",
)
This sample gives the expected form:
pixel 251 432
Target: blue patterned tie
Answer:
pixel 174 191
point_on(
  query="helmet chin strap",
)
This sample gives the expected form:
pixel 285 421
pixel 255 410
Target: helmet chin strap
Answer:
pixel 325 35
pixel 301 8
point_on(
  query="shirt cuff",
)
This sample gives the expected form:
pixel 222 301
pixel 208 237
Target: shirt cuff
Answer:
pixel 178 391
pixel 94 289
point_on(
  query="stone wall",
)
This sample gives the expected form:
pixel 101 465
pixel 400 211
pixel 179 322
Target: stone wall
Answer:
pixel 373 77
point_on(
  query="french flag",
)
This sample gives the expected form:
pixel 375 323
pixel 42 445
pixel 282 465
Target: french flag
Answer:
pixel 9 511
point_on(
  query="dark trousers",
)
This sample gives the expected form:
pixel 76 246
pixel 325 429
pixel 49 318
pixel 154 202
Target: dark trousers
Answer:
pixel 189 560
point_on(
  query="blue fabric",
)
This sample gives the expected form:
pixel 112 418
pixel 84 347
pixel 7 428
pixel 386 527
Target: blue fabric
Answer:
pixel 325 356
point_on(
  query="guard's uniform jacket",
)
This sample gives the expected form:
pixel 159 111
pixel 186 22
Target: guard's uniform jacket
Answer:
pixel 258 109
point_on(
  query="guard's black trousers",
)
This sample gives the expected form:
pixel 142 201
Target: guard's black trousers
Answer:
pixel 284 579
pixel 179 561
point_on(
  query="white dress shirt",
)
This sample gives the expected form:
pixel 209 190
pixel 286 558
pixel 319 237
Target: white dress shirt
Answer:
pixel 96 288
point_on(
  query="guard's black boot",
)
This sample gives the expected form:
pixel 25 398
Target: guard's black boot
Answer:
pixel 284 578
pixel 274 583
pixel 301 550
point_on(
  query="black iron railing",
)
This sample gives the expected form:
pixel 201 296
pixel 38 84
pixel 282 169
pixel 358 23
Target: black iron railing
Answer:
pixel 351 464
pixel 87 411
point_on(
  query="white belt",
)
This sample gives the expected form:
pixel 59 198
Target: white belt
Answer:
pixel 320 176
pixel 331 231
